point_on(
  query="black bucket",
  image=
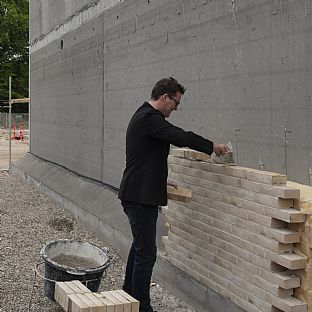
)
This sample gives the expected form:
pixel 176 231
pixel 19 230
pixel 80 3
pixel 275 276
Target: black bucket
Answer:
pixel 60 264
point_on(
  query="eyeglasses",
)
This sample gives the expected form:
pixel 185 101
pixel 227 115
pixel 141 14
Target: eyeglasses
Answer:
pixel 175 101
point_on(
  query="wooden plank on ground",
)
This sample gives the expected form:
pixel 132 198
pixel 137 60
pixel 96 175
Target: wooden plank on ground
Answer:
pixel 126 303
pixel 110 307
pixel 92 306
pixel 77 287
pixel 76 304
pixel 83 288
pixel 61 294
pixel 101 307
pixel 135 304
pixel 117 303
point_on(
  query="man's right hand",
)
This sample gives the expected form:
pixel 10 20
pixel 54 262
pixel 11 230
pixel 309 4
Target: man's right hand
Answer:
pixel 220 149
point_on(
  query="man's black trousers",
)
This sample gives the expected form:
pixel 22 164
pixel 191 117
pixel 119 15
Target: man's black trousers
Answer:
pixel 142 255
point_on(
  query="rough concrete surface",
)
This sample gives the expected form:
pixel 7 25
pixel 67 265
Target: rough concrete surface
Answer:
pixel 246 66
pixel 28 220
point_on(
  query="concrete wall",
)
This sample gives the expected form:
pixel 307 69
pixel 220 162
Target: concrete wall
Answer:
pixel 246 65
pixel 46 15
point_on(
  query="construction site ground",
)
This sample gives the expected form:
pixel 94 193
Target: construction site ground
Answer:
pixel 18 147
pixel 29 219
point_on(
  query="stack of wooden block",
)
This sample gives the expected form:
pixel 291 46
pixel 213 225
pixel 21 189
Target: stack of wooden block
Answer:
pixel 232 236
pixel 304 203
pixel 73 296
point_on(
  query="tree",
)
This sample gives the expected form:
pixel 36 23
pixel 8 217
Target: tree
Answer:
pixel 14 47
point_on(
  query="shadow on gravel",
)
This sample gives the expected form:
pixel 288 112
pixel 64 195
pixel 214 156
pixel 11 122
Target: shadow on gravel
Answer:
pixel 61 224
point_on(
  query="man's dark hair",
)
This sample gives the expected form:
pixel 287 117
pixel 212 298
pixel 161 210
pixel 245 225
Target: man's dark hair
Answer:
pixel 166 85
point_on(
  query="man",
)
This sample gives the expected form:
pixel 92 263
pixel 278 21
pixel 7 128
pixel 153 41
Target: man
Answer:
pixel 143 186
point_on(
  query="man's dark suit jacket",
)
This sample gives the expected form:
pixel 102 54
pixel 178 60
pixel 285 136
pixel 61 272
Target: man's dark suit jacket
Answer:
pixel 148 140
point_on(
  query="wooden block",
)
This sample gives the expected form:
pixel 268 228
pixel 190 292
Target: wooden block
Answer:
pixel 82 287
pixel 135 304
pixel 190 154
pixel 76 304
pixel 126 303
pixel 110 306
pixel 230 190
pixel 233 229
pixel 179 194
pixel 244 269
pixel 217 274
pixel 305 200
pixel 77 287
pixel 61 294
pixel 203 230
pixel 245 220
pixel 266 177
pixel 195 169
pixel 288 304
pixel 117 303
pixel 224 287
pixel 284 279
pixel 280 191
pixel 290 261
pixel 177 152
pixel 235 171
pixel 288 215
pixel 92 306
pixel 252 211
pixel 283 235
pixel 101 307
pixel 222 248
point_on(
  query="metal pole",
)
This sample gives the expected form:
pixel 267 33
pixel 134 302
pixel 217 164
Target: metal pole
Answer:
pixel 10 116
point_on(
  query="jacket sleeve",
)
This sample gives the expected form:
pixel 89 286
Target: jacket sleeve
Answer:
pixel 161 129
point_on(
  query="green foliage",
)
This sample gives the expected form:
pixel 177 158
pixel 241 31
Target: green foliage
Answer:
pixel 14 48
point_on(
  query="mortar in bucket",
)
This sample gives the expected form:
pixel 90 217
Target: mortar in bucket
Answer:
pixel 66 260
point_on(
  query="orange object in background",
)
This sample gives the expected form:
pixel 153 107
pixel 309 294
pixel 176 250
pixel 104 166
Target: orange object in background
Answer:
pixel 14 132
pixel 21 131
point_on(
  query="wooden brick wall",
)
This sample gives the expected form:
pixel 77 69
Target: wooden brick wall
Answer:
pixel 239 234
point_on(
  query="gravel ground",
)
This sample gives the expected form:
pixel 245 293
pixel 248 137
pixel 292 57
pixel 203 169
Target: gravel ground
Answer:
pixel 28 219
